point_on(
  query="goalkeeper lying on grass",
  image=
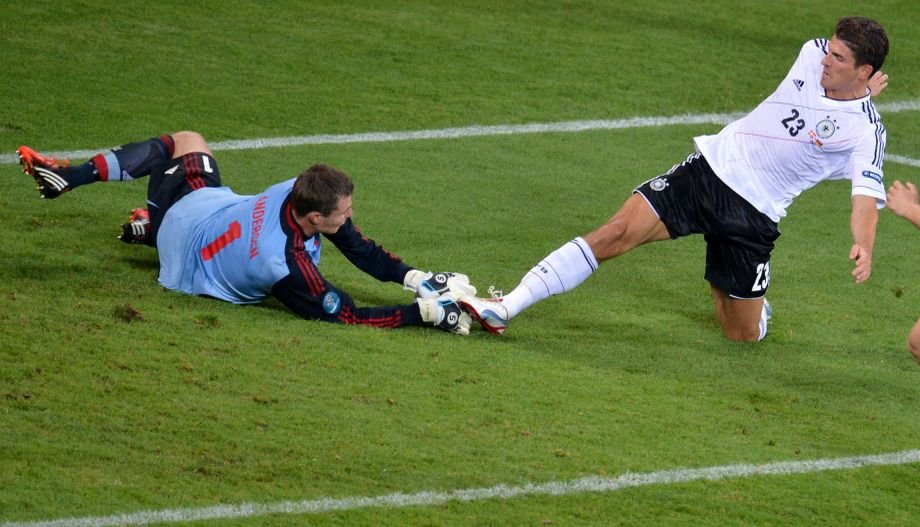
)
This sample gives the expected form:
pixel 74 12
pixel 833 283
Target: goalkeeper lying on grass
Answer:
pixel 241 249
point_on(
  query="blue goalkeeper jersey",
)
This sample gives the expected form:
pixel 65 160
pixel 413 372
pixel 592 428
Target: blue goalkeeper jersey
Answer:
pixel 242 249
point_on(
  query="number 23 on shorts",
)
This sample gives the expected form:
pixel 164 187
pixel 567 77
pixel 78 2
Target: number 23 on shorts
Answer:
pixel 763 277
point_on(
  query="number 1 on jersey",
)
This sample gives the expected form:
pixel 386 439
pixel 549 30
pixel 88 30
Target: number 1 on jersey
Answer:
pixel 231 234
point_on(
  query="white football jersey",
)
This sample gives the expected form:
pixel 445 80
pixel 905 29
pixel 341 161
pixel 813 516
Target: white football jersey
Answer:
pixel 798 137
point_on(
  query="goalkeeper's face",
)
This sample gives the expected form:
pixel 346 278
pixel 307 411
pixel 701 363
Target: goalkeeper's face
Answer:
pixel 330 223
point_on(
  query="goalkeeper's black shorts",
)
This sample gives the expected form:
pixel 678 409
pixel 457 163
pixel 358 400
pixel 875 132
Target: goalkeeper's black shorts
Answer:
pixel 691 199
pixel 171 180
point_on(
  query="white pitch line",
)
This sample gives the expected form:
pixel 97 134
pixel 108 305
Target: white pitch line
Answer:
pixel 902 160
pixel 442 133
pixel 430 498
pixel 480 131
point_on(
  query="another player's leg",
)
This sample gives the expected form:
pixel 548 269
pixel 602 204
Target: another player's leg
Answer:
pixel 55 177
pixel 742 319
pixel 913 341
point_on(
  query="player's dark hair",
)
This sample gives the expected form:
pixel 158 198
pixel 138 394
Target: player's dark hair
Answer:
pixel 319 188
pixel 866 38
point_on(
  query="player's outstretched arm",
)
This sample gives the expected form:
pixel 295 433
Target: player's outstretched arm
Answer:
pixel 863 222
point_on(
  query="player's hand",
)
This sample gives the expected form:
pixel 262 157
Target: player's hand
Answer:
pixel 902 198
pixel 445 313
pixel 433 285
pixel 863 260
pixel 878 82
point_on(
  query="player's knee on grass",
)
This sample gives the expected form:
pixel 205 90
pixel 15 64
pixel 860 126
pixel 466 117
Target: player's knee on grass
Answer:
pixel 742 333
pixel 740 320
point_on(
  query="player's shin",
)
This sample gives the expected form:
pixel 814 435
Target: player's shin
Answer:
pixel 560 272
pixel 133 160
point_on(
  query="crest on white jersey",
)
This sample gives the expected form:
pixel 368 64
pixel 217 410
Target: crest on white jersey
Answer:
pixel 826 128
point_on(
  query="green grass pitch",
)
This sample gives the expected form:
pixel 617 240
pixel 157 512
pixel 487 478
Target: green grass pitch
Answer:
pixel 117 396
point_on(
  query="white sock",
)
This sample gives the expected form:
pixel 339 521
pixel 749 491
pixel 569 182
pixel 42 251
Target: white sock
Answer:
pixel 561 271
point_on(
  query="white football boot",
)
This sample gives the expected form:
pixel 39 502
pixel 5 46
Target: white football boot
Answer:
pixel 489 312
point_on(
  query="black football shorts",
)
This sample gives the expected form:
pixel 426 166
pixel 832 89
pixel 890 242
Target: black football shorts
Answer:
pixel 171 180
pixel 691 199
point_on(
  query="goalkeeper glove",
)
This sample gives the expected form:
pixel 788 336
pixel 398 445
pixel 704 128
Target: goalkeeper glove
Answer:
pixel 444 313
pixel 433 285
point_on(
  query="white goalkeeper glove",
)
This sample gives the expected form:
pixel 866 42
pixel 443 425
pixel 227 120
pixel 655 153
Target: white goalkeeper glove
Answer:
pixel 444 313
pixel 433 285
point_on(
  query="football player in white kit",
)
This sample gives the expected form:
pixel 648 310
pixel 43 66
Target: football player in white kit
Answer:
pixel 819 124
